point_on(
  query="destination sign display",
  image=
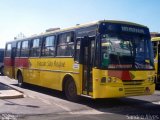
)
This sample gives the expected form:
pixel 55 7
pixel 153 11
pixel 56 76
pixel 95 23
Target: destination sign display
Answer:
pixel 118 27
pixel 132 29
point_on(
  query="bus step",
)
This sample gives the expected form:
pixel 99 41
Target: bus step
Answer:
pixel 86 96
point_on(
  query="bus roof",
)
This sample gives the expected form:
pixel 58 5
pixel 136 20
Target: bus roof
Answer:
pixel 156 39
pixel 123 22
pixel 81 26
pixel 97 22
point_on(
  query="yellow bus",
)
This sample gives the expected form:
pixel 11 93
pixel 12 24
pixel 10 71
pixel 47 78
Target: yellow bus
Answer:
pixel 102 59
pixel 156 49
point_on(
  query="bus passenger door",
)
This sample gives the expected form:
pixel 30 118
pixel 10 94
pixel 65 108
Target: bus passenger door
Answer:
pixel 87 46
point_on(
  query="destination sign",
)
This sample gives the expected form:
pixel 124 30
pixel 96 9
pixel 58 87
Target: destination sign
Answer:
pixel 118 27
pixel 132 29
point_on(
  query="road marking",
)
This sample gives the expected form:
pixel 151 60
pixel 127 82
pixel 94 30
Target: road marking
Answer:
pixel 62 106
pixel 92 111
pixel 59 105
pixel 45 101
pixel 31 96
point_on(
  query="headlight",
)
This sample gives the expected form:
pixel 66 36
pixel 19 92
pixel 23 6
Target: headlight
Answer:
pixel 103 80
pixel 108 80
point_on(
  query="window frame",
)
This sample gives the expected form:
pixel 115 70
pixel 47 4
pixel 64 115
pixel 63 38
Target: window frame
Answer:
pixel 54 45
pixel 10 50
pixel 18 49
pixel 70 44
pixel 38 54
pixel 25 49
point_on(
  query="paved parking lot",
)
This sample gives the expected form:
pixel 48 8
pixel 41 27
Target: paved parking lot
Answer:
pixel 40 103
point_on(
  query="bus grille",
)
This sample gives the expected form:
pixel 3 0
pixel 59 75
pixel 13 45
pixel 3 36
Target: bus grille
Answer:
pixel 133 82
pixel 133 87
pixel 134 91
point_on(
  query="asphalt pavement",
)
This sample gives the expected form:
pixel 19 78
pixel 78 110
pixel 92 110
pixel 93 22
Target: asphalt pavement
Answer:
pixel 40 103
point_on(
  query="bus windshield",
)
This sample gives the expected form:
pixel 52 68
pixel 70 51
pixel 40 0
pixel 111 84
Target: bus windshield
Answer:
pixel 122 51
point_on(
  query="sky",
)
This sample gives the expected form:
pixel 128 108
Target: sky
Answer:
pixel 31 17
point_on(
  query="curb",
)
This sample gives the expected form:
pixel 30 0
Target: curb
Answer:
pixel 12 97
pixel 12 87
pixel 19 93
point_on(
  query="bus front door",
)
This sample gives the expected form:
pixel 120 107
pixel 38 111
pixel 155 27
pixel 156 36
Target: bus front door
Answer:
pixel 87 47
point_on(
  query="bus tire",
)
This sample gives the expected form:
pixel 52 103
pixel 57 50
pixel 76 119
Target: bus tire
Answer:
pixel 70 90
pixel 20 80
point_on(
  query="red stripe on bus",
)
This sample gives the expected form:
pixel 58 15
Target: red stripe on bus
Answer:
pixel 21 62
pixel 123 75
pixel 8 62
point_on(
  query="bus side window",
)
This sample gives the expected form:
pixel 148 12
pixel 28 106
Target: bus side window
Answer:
pixel 35 47
pixel 25 49
pixel 65 46
pixel 92 49
pixel 77 52
pixel 18 49
pixel 48 47
pixel 8 50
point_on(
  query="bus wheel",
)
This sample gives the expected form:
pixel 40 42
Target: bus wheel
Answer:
pixel 70 90
pixel 20 80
